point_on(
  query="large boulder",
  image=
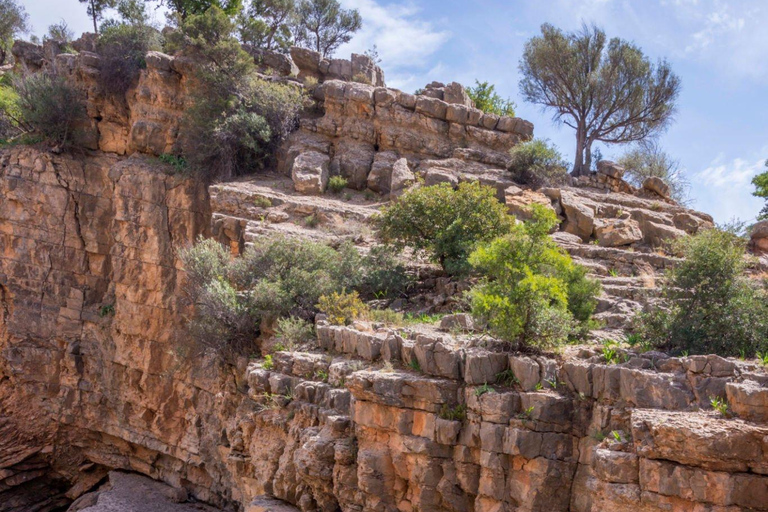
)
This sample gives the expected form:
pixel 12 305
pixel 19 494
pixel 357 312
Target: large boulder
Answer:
pixel 610 169
pixel 657 185
pixel 519 201
pixel 272 61
pixel 617 232
pixel 579 214
pixel 455 93
pixel 354 160
pixel 759 238
pixel 402 178
pixel 310 172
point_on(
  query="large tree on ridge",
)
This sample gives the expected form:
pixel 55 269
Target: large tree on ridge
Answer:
pixel 606 90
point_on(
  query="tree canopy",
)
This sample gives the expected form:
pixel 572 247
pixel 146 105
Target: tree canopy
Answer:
pixel 648 159
pixel 761 190
pixel 186 8
pixel 488 100
pixel 96 9
pixel 323 25
pixel 13 21
pixel 267 24
pixel 606 90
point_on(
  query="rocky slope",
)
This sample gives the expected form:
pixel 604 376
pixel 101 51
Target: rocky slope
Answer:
pixel 95 377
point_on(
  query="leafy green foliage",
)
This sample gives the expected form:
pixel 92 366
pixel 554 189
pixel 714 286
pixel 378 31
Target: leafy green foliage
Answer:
pixel 608 91
pixel 537 163
pixel 532 293
pixel 709 305
pixel 177 162
pixel 444 223
pixel 14 20
pixel 720 405
pixel 50 106
pixel 268 24
pixel 236 120
pixel 761 190
pixel 323 25
pixel 455 413
pixel 186 8
pixel 647 159
pixel 342 307
pixel 488 100
pixel 60 32
pixel 123 48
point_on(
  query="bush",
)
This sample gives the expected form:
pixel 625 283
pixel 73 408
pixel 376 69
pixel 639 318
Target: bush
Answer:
pixel 336 184
pixel 293 331
pixel 235 120
pixel 487 99
pixel 444 223
pixel 709 305
pixel 50 106
pixel 123 48
pixel 342 307
pixel 532 294
pixel 385 275
pixel 648 159
pixel 537 163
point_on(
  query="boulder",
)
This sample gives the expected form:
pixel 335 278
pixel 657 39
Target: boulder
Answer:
pixel 307 61
pixel 454 93
pixel 617 232
pixel 518 201
pixel 759 238
pixel 611 169
pixel 461 321
pixel 380 176
pixel 748 400
pixel 431 107
pixel 402 178
pixel 579 215
pixel 354 160
pixel 278 63
pixel 310 173
pixel 687 222
pixel 435 176
pixel 656 185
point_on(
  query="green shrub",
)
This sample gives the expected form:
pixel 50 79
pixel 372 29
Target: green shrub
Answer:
pixel 532 294
pixel 709 305
pixel 123 48
pixel 235 120
pixel 50 106
pixel 336 184
pixel 444 223
pixel 455 413
pixel 537 163
pixel 342 307
pixel 488 100
pixel 178 163
pixel 385 275
pixel 293 331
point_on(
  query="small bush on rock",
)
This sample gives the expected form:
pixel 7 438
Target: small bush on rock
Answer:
pixel 336 184
pixel 293 331
pixel 50 106
pixel 342 307
pixel 537 163
pixel 123 48
pixel 486 98
pixel 709 305
pixel 532 294
pixel 444 223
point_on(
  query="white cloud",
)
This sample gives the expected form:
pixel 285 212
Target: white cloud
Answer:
pixel 404 41
pixel 724 188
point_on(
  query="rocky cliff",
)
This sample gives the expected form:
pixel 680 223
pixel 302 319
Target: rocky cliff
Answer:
pixel 95 377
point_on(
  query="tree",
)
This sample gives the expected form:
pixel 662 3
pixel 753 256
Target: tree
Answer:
pixel 607 91
pixel 444 223
pixel 267 24
pixel 648 159
pixel 488 100
pixel 761 190
pixel 324 26
pixel 13 21
pixel 96 9
pixel 186 8
pixel 531 292
pixel 60 32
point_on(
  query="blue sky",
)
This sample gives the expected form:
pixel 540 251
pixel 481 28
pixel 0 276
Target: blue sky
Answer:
pixel 719 48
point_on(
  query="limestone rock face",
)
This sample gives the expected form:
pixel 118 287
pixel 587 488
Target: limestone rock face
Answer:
pixel 518 201
pixel 611 169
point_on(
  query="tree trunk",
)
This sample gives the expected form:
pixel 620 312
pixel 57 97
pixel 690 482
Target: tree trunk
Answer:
pixel 93 15
pixel 587 156
pixel 578 163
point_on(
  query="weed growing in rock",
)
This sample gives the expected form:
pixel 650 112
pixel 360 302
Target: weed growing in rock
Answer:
pixel 481 390
pixel 268 364
pixel 527 414
pixel 175 161
pixel 507 378
pixel 262 202
pixel 532 294
pixel 414 365
pixel 762 358
pixel 455 413
pixel 720 405
pixel 336 184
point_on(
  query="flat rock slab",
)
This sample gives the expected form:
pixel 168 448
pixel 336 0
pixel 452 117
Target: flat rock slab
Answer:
pixel 129 492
